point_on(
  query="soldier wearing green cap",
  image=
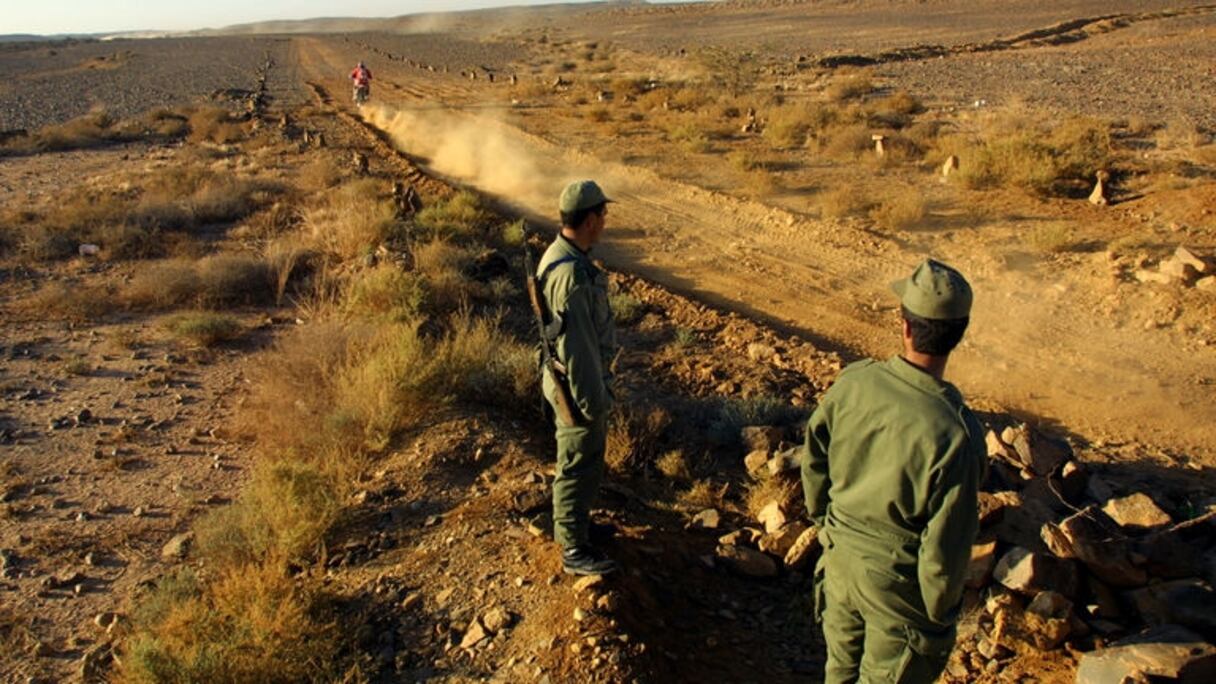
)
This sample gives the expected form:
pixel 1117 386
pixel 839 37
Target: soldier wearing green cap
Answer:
pixel 576 291
pixel 891 471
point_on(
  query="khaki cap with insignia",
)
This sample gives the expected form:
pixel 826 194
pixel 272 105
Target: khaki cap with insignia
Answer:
pixel 581 195
pixel 935 291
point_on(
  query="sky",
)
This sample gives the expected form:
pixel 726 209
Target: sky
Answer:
pixel 101 16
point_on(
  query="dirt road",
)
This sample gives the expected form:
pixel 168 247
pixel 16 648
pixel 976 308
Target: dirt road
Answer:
pixel 1040 343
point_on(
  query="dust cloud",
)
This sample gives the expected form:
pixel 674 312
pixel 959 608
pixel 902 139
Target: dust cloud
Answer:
pixel 476 152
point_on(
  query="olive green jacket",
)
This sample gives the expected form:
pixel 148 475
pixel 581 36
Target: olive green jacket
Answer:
pixel 577 291
pixel 891 471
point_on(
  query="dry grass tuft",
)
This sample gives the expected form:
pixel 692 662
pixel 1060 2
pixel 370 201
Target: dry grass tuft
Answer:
pixel 903 210
pixel 204 328
pixel 215 125
pixel 72 301
pixel 842 201
pixel 1023 154
pixel 460 216
pixel 674 466
pixel 633 440
pixel 1051 238
pixel 250 624
pixel 212 282
pixel 849 87
pixel 763 492
pixel 701 494
pixel 353 220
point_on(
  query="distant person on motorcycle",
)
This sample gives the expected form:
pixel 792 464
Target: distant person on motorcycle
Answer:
pixel 362 78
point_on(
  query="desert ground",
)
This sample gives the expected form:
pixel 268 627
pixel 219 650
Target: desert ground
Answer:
pixel 261 419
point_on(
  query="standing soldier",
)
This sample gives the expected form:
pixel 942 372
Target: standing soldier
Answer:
pixel 575 292
pixel 891 472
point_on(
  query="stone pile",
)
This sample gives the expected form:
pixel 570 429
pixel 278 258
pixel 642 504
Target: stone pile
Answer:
pixel 1066 557
pixel 780 537
pixel 1183 268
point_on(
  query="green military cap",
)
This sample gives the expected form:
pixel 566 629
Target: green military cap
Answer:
pixel 581 195
pixel 935 291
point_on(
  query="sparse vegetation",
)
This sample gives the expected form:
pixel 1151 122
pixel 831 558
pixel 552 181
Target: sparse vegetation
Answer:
pixel 1021 154
pixel 626 308
pixel 902 210
pixel 204 328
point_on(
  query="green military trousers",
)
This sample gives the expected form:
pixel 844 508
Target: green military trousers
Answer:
pixel 874 624
pixel 580 469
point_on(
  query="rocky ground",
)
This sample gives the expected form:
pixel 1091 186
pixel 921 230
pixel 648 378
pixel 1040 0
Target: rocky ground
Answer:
pixel 47 83
pixel 1094 561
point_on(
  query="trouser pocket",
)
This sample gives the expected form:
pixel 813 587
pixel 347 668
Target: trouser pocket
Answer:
pixel 818 594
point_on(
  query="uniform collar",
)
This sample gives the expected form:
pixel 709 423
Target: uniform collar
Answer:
pixel 921 380
pixel 571 248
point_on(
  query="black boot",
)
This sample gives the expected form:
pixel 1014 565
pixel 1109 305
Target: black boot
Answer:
pixel 586 560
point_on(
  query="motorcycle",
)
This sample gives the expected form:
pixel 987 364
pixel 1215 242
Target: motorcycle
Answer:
pixel 361 94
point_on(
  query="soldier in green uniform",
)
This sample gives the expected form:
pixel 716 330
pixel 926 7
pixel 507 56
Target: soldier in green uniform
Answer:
pixel 893 463
pixel 576 291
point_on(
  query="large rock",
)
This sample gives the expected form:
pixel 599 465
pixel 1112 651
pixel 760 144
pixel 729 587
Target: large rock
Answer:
pixel 474 635
pixel 708 519
pixel 979 570
pixel 1166 653
pixel 1020 525
pixel 992 506
pixel 1048 619
pixel 803 549
pixel 1189 602
pixel 1137 512
pixel 1029 573
pixel 788 461
pixel 1178 551
pixel 1037 452
pixel 780 542
pixel 749 562
pixel 761 437
pixel 1105 553
pixel 772 517
pixel 756 463
pixel 177 547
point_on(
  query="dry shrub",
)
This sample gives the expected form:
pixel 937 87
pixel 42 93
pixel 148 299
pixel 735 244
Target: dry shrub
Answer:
pixel 689 136
pixel 702 494
pixel 166 123
pixel 281 515
pixel 849 87
pixel 204 328
pixel 268 223
pixel 627 87
pixel 1051 238
pixel 903 210
pixel 215 125
pixel 322 172
pixel 787 126
pixel 746 160
pixel 763 492
pixel 848 142
pixel 1056 161
pixel 691 97
pixel 212 282
pixel 90 130
pixel 353 220
pixel 1180 134
pixel 249 624
pixel 633 439
pixel 73 301
pixel 599 114
pixel 287 260
pixel 674 466
pixel 626 309
pixel 386 292
pixel 458 216
pixel 842 201
pixel 444 268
